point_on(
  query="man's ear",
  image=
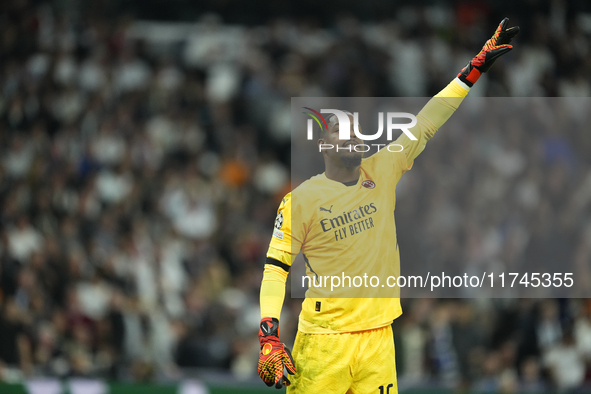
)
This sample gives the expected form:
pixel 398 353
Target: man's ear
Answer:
pixel 319 144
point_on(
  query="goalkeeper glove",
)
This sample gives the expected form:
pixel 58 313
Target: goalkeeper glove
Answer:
pixel 497 45
pixel 275 356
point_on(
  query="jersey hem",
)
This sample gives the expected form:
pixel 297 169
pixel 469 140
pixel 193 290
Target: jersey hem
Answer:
pixel 308 327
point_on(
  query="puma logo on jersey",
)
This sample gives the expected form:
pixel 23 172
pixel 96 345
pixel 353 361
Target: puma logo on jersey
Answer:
pixel 326 210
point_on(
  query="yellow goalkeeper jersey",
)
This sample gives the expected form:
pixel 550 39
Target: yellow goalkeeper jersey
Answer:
pixel 349 231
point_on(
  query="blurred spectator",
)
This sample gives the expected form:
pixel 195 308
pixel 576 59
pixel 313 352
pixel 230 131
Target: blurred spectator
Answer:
pixel 531 378
pixel 565 363
pixel 24 240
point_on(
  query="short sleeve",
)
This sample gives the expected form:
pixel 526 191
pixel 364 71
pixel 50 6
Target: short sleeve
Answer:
pixel 283 237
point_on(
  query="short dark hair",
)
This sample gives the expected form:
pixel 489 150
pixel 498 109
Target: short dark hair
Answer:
pixel 331 119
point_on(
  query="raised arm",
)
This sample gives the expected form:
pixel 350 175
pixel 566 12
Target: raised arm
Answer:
pixel 438 110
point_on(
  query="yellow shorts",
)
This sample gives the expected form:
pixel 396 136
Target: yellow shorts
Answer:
pixel 360 362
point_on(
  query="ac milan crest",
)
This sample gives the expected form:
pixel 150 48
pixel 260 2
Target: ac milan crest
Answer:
pixel 368 184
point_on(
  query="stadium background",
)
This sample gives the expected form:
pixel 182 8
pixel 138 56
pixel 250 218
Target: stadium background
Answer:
pixel 144 147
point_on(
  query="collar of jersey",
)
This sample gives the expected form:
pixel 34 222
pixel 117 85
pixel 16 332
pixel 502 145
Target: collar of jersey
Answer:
pixel 346 184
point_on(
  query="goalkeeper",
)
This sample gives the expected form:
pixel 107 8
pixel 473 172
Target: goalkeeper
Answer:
pixel 345 345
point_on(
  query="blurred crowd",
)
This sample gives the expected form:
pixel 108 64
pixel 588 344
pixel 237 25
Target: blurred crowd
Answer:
pixel 141 165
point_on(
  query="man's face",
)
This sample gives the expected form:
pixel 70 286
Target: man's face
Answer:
pixel 344 157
